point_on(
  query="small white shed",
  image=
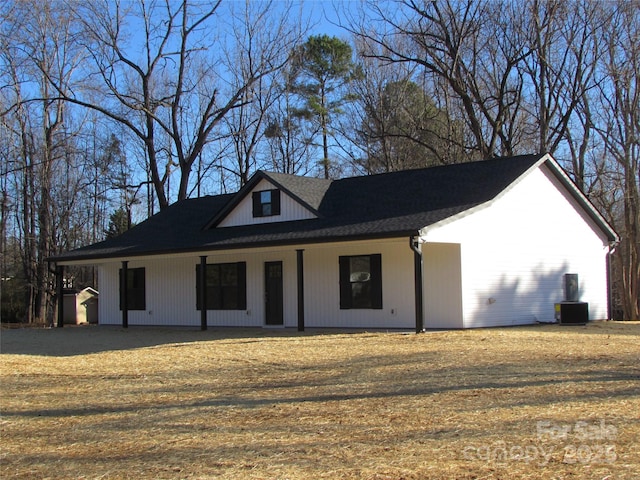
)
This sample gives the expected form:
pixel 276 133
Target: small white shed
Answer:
pixel 81 307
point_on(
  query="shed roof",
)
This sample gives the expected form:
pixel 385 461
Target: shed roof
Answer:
pixel 377 206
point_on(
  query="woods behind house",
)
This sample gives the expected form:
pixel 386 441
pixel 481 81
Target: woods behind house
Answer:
pixel 111 111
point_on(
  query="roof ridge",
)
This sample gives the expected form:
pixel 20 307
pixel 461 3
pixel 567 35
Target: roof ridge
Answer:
pixel 530 156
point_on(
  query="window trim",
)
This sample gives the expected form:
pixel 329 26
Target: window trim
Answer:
pixel 217 291
pixel 347 284
pixel 260 206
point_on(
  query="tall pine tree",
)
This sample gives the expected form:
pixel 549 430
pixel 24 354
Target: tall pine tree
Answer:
pixel 322 69
pixel 119 222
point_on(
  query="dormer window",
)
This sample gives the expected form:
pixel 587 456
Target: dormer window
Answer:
pixel 266 203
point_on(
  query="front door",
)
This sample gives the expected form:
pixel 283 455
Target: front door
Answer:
pixel 273 293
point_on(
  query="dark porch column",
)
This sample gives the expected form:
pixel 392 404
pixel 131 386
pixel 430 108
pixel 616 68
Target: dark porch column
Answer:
pixel 60 294
pixel 300 265
pixel 203 292
pixel 124 300
pixel 417 274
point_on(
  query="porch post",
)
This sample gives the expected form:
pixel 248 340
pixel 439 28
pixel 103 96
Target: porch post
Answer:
pixel 60 294
pixel 300 266
pixel 124 300
pixel 203 292
pixel 417 274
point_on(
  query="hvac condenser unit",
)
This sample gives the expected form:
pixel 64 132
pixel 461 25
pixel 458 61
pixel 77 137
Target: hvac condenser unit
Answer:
pixel 571 311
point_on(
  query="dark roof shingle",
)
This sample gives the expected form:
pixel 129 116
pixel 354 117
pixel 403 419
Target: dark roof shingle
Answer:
pixel 385 205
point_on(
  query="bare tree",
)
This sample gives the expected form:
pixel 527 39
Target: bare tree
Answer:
pixel 174 92
pixel 37 47
pixel 395 119
pixel 564 39
pixel 245 125
pixel 456 42
pixel 619 128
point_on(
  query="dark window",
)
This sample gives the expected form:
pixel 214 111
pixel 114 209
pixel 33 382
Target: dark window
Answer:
pixel 361 281
pixel 266 203
pixel 135 289
pixel 226 286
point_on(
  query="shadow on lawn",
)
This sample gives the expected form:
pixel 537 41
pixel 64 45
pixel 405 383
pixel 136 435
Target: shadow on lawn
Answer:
pixel 506 390
pixel 82 340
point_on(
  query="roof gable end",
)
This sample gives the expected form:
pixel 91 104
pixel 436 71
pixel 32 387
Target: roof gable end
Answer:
pixel 535 163
pixel 581 198
pixel 301 197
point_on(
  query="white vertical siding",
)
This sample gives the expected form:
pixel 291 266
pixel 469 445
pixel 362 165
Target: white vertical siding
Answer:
pixel 108 284
pixel 243 213
pixel 170 285
pixel 442 285
pixel 322 286
pixel 515 252
pixel 171 288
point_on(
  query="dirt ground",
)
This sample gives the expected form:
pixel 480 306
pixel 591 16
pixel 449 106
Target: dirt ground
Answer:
pixel 149 403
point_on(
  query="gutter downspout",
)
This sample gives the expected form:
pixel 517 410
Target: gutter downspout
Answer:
pixel 414 244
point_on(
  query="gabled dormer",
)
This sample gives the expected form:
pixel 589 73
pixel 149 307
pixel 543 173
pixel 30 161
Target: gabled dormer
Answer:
pixel 272 197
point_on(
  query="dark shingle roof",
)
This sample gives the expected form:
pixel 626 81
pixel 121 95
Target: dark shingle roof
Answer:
pixel 386 205
pixel 310 191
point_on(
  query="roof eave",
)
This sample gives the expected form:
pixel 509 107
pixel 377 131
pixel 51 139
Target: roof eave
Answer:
pixel 95 258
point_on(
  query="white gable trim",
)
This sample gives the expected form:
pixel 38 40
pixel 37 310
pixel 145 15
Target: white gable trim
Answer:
pixel 582 199
pixel 242 213
pixel 555 168
pixel 482 206
pixel 305 211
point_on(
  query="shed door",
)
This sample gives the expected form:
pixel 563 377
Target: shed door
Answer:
pixel 273 293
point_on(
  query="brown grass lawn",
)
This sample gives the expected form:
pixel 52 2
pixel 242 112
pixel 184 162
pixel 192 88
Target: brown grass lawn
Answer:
pixel 145 403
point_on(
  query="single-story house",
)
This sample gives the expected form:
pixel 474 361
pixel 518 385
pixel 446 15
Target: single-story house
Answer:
pixel 469 245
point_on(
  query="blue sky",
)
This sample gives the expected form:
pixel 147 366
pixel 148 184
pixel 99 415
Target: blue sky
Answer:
pixel 324 16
